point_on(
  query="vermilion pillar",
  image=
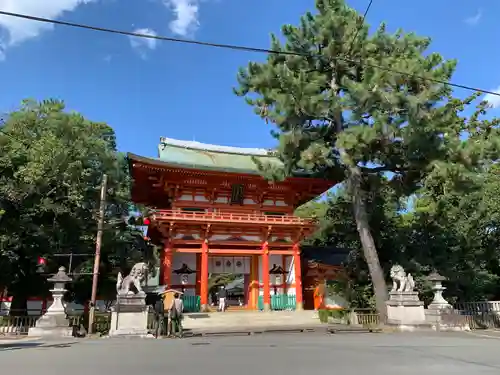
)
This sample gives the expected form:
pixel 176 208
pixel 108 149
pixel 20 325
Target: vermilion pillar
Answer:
pixel 298 278
pixel 167 264
pixel 198 274
pixel 265 277
pixel 254 283
pixel 204 277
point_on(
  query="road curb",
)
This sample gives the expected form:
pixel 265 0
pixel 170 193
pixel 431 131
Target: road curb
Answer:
pixel 278 330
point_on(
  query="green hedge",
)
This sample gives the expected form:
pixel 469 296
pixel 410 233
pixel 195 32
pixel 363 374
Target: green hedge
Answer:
pixel 335 314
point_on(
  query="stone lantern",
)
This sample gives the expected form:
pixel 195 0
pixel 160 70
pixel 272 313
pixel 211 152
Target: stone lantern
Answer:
pixel 55 322
pixel 438 303
pixel 184 273
pixel 279 274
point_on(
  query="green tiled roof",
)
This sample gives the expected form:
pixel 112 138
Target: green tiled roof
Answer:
pixel 196 155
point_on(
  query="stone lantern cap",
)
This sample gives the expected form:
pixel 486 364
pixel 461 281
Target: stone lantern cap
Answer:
pixel 435 276
pixel 277 270
pixel 60 277
pixel 184 270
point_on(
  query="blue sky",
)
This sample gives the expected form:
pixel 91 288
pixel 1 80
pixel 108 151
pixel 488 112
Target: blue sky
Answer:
pixel 146 90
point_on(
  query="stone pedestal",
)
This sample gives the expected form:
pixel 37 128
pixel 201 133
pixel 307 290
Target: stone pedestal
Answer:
pixel 51 326
pixel 129 316
pixel 54 323
pixel 440 314
pixel 405 310
pixel 438 303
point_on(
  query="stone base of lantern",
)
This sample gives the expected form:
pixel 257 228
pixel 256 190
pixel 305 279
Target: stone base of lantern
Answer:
pixel 446 319
pixel 51 326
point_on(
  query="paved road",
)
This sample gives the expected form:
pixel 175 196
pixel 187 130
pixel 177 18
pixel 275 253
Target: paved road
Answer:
pixel 294 354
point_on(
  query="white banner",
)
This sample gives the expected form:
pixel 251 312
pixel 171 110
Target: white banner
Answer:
pixel 239 265
pixel 217 265
pixel 234 265
pixel 229 265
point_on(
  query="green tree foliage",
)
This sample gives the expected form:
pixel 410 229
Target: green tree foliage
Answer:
pixel 343 111
pixel 455 229
pixel 51 165
pixel 337 227
pixel 450 227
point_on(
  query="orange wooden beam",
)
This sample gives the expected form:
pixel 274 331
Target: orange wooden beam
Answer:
pixel 281 252
pixel 187 250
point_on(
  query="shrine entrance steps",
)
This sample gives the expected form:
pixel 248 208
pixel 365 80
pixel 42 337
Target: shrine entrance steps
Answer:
pixel 247 320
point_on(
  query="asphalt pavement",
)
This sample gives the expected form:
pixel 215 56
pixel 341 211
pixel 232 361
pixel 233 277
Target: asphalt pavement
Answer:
pixel 293 353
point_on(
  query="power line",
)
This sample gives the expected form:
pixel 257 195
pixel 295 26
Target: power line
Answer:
pixel 358 29
pixel 241 48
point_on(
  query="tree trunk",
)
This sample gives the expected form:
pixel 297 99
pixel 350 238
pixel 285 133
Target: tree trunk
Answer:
pixel 19 305
pixel 367 242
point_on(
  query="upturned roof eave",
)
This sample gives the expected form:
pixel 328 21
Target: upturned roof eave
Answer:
pixel 169 164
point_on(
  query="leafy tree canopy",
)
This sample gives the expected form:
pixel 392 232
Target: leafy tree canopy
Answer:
pixel 350 105
pixel 51 166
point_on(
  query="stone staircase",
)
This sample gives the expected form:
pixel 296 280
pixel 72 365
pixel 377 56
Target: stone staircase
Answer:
pixel 245 320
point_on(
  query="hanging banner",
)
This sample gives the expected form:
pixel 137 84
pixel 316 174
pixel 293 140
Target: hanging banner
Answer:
pixel 217 265
pixel 229 265
pixel 239 265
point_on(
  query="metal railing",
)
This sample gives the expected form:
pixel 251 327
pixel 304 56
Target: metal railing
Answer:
pixel 20 325
pixel 359 317
pixel 479 315
pixel 367 319
pixel 279 302
pixel 230 217
pixel 16 325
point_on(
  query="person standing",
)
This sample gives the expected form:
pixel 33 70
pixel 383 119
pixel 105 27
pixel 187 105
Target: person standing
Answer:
pixel 222 298
pixel 159 316
pixel 175 314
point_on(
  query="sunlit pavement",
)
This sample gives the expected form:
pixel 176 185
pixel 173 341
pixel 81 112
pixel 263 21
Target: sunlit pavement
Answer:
pixel 350 353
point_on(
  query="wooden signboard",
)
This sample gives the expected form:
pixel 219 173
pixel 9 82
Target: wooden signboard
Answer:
pixel 168 297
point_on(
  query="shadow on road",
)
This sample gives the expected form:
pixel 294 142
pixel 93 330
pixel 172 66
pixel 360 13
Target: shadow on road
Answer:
pixel 31 345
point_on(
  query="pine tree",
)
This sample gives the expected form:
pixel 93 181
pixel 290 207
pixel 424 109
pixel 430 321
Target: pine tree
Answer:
pixel 345 110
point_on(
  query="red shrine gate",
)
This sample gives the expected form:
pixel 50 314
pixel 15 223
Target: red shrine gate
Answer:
pixel 214 212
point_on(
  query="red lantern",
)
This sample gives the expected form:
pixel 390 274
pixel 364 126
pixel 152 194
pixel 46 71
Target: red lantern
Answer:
pixel 146 221
pixel 41 261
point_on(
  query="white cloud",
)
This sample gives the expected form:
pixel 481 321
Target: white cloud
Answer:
pixel 141 45
pixel 493 100
pixel 474 20
pixel 18 30
pixel 186 16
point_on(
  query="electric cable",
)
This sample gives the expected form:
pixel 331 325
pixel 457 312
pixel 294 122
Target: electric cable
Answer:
pixel 241 48
pixel 358 29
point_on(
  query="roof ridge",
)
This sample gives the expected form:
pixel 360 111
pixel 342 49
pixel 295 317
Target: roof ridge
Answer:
pixel 194 145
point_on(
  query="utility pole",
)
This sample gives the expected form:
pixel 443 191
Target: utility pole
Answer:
pixel 97 257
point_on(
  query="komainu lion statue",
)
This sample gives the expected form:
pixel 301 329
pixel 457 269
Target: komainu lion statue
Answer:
pixel 401 282
pixel 136 277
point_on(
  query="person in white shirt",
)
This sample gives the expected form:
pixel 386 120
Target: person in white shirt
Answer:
pixel 222 298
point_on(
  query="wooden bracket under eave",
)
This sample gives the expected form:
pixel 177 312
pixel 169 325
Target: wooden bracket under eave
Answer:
pixel 268 233
pixel 207 232
pixel 171 228
pixel 299 236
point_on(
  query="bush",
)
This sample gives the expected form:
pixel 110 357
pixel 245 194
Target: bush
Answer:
pixel 323 316
pixel 335 314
